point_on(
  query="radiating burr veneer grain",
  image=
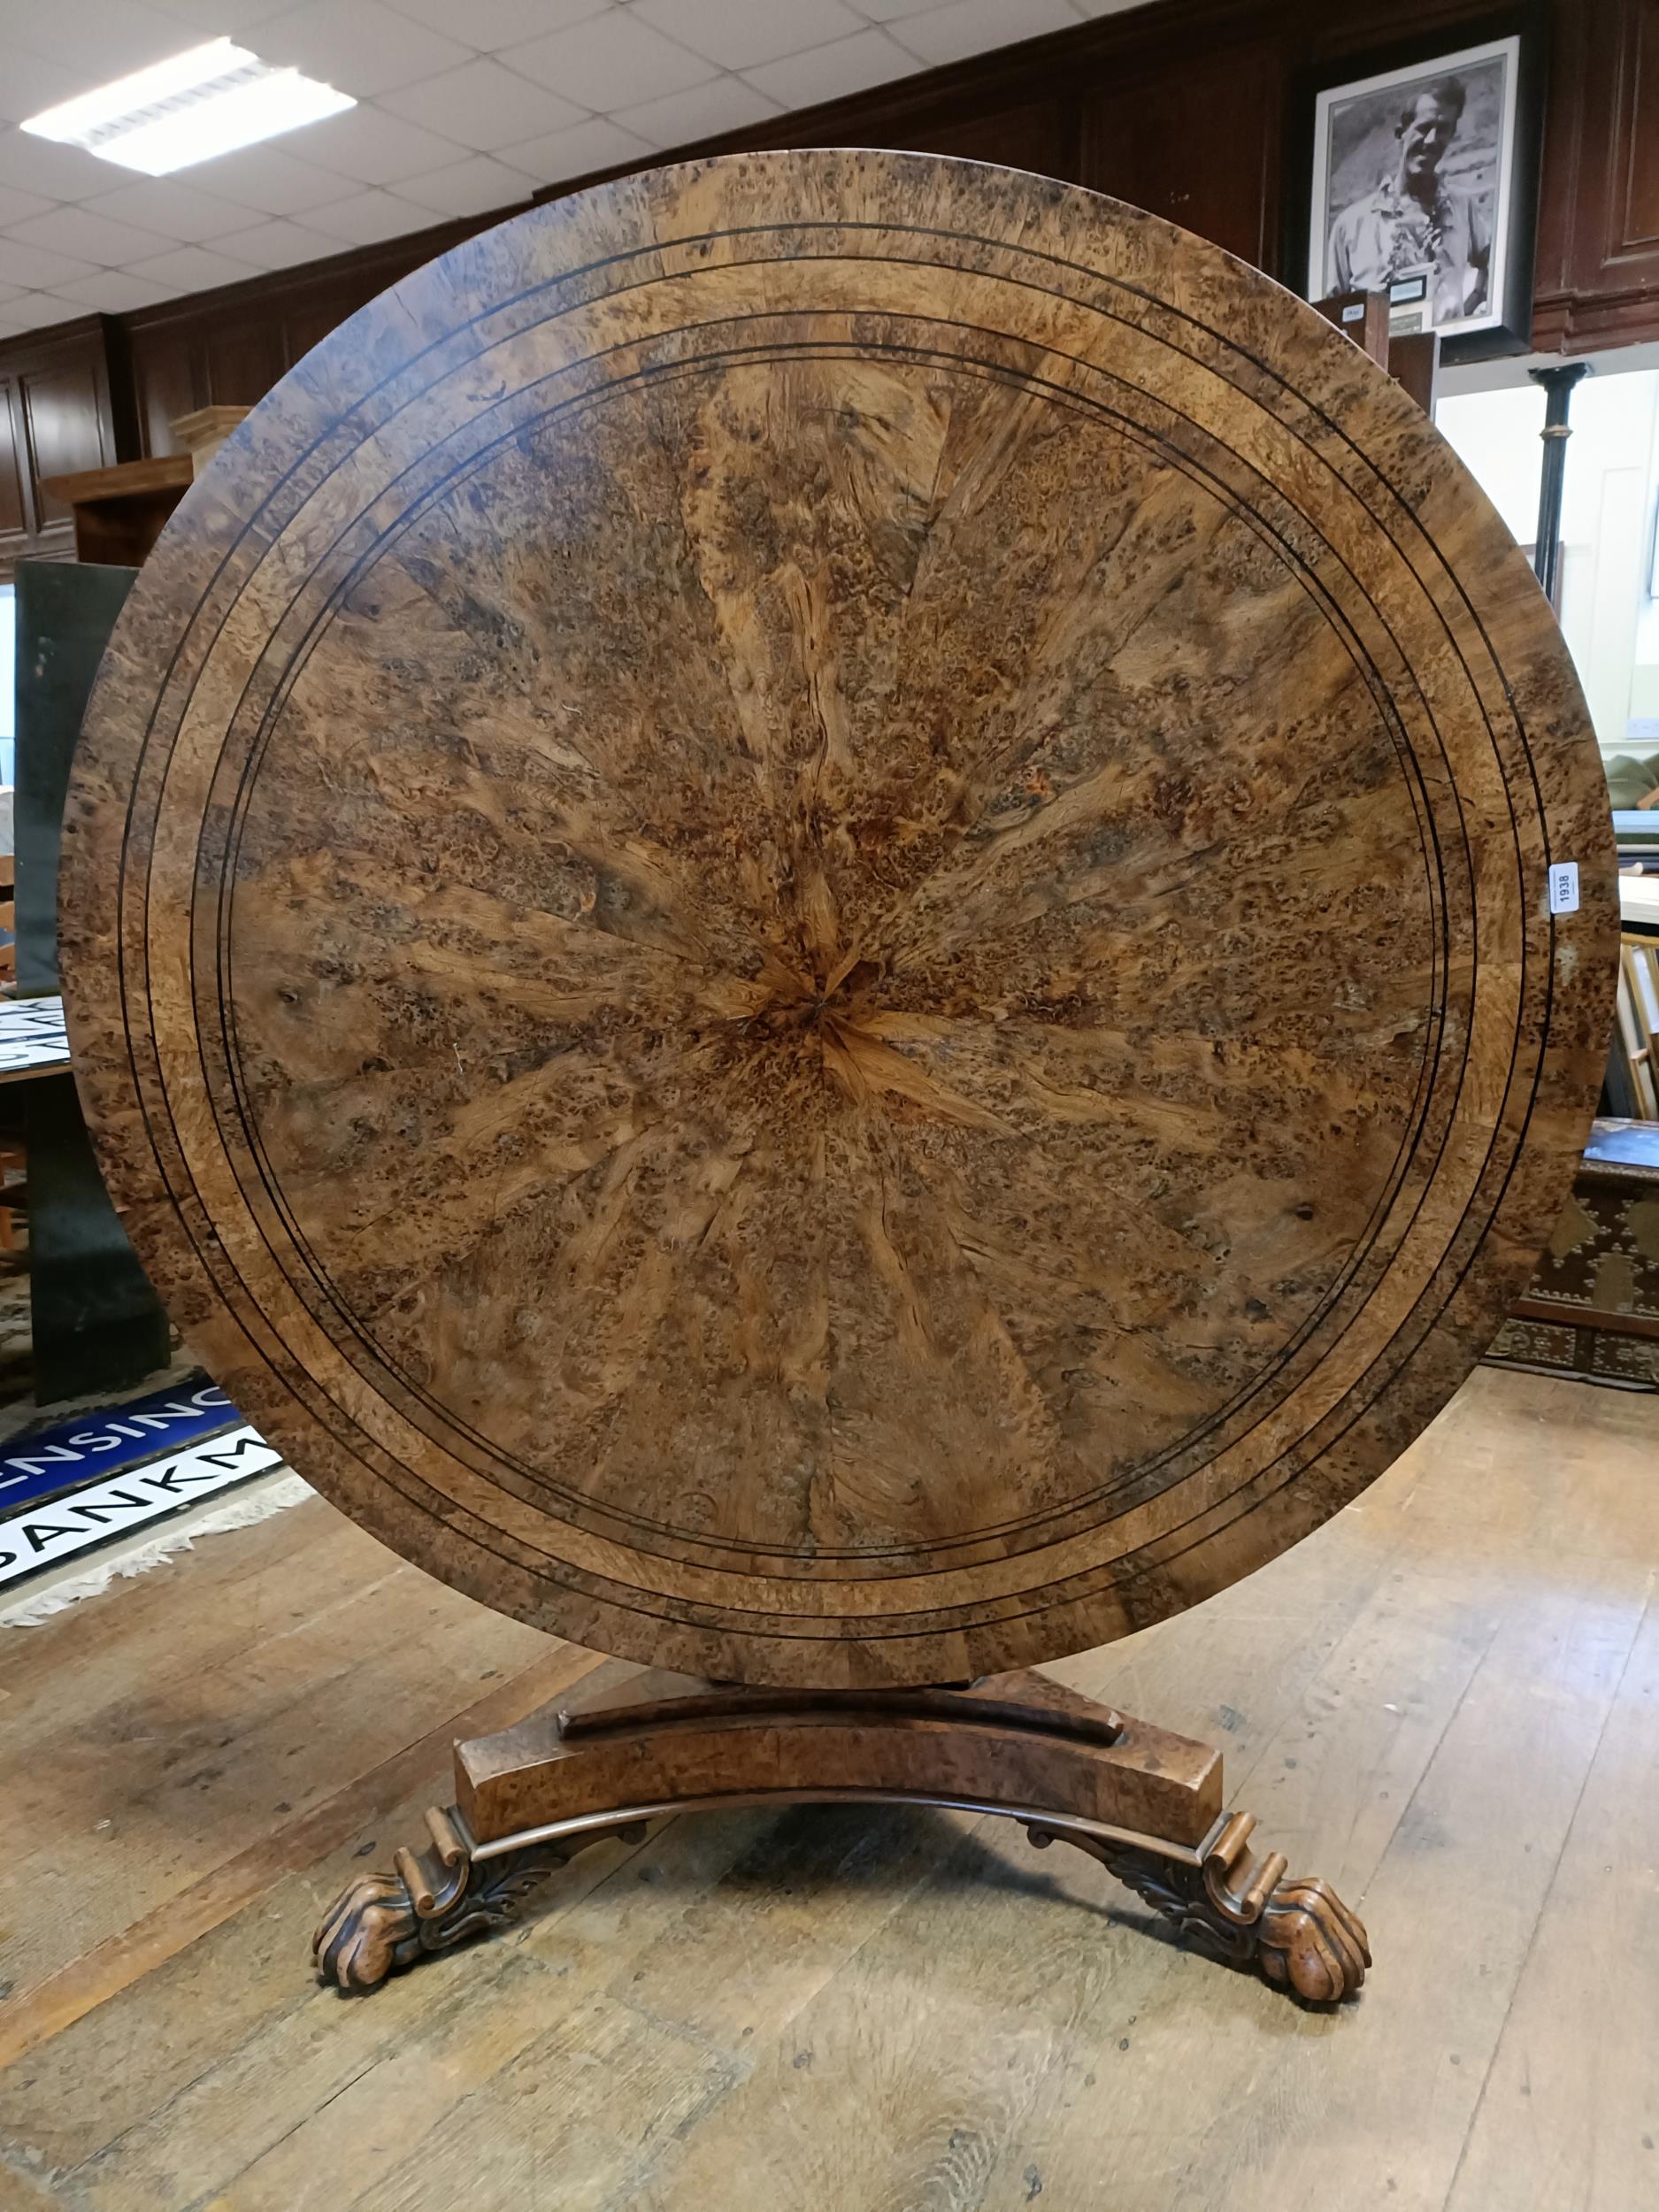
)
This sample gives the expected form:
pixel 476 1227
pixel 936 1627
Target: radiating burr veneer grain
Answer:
pixel 806 919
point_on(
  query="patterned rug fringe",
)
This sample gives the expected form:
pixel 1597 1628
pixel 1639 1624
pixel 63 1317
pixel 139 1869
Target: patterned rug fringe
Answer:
pixel 29 1612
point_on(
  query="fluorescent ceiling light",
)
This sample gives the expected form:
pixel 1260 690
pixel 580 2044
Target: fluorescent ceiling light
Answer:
pixel 210 101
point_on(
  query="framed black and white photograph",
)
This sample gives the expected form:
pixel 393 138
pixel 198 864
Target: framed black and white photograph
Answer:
pixel 1420 182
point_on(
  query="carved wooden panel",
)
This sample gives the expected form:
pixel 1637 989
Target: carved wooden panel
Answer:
pixel 1036 135
pixel 59 406
pixel 1142 140
pixel 1599 231
pixel 14 510
pixel 55 416
pixel 245 359
pixel 169 381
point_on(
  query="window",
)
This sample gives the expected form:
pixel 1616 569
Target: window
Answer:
pixel 1607 612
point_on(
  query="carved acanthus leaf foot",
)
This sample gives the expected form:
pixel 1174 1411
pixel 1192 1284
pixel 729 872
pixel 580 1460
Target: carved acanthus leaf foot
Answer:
pixel 436 1898
pixel 1239 1906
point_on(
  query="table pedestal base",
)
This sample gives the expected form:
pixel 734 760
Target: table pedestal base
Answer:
pixel 628 1747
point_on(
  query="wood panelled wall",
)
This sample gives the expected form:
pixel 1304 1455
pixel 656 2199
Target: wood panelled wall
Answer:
pixel 1597 281
pixel 1182 106
pixel 60 391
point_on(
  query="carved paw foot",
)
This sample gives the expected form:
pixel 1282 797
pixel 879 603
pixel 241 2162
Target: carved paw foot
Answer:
pixel 436 1898
pixel 1238 1906
pixel 1311 1940
pixel 369 1930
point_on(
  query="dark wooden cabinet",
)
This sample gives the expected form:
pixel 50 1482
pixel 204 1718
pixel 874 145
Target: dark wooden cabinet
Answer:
pixel 60 412
pixel 1598 254
pixel 1182 106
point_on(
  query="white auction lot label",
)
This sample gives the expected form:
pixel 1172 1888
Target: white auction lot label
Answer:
pixel 59 1529
pixel 1563 887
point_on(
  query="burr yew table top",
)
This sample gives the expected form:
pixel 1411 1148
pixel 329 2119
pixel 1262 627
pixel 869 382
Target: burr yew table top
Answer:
pixel 807 923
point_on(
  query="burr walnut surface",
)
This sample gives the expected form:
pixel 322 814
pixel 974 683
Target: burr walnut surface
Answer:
pixel 805 918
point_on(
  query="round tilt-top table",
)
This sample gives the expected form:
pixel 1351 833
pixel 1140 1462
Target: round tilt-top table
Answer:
pixel 809 922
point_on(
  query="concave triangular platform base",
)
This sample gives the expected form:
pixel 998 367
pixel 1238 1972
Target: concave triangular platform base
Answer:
pixel 630 1746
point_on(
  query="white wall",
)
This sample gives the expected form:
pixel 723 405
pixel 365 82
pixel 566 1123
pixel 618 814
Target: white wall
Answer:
pixel 1611 491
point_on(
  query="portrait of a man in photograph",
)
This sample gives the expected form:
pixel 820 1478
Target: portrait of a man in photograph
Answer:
pixel 1411 184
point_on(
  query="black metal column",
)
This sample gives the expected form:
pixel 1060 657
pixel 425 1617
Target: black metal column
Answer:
pixel 1557 385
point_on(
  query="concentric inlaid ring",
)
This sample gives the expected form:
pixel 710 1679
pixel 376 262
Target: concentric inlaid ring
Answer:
pixel 806 919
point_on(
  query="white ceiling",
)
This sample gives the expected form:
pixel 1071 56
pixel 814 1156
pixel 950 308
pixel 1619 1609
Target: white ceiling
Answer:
pixel 463 106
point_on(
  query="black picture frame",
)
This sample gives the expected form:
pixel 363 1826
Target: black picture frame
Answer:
pixel 1525 22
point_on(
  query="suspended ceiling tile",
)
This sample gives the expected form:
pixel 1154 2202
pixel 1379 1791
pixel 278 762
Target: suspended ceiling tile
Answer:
pixel 93 40
pixel 725 104
pixel 223 19
pixel 464 107
pixel 489 25
pixel 611 61
pixel 470 188
pixel 375 148
pixel 37 310
pixel 172 211
pixel 270 180
pixel 362 48
pixel 827 73
pixel 974 26
pixel 114 292
pixel 597 142
pixel 278 245
pixel 30 83
pixel 58 172
pixel 739 34
pixel 40 268
pixel 95 238
pixel 483 106
pixel 193 269
pixel 16 207
pixel 367 218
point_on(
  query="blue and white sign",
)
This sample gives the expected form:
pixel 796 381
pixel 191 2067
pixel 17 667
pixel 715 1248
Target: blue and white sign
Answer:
pixel 41 1535
pixel 102 1443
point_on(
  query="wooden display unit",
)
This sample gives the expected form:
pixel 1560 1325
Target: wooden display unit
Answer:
pixel 204 430
pixel 811 935
pixel 1412 359
pixel 120 512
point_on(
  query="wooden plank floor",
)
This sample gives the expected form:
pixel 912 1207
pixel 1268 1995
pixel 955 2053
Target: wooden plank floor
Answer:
pixel 1447 1701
